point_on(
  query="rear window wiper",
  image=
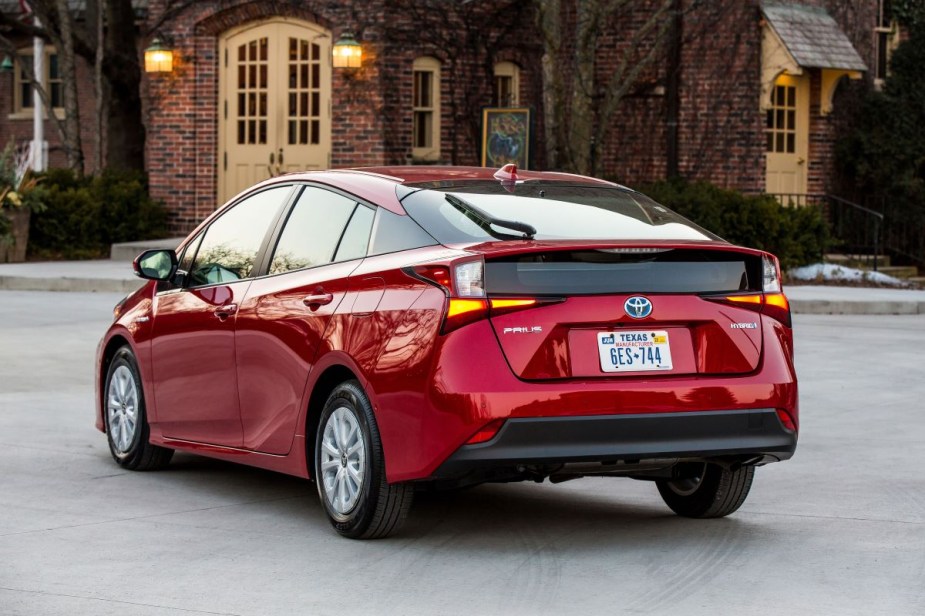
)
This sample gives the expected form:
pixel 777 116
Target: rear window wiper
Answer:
pixel 485 221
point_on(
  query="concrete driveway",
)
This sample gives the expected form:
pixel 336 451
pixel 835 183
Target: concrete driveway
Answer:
pixel 838 530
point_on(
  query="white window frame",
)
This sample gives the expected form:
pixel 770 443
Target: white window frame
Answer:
pixel 26 113
pixel 431 152
pixel 886 34
pixel 507 71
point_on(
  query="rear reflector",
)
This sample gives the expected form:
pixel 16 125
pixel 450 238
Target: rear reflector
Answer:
pixel 786 420
pixel 487 432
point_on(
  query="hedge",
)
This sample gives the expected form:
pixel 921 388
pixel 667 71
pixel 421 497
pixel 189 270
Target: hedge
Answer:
pixel 83 216
pixel 797 235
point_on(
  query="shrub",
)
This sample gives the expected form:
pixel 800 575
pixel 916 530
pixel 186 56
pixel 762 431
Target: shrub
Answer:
pixel 797 235
pixel 84 215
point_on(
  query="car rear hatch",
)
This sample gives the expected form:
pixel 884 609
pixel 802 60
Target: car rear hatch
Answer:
pixel 625 311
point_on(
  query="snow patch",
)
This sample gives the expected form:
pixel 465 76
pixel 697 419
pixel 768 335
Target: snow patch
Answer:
pixel 842 273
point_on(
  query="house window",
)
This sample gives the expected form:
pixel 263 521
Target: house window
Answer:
pixel 24 94
pixel 507 84
pixel 780 129
pixel 425 105
pixel 887 39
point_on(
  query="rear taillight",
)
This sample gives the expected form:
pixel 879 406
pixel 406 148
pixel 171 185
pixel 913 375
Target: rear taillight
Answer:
pixel 771 301
pixel 464 285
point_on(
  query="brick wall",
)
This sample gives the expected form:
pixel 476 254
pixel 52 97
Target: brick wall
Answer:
pixel 19 130
pixel 720 136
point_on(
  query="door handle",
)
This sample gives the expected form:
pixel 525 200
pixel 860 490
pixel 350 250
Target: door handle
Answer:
pixel 225 311
pixel 316 300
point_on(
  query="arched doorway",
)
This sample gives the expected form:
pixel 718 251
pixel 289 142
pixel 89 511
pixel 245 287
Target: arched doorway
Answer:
pixel 274 102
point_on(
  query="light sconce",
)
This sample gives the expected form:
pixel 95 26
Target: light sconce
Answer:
pixel 7 66
pixel 348 53
pixel 158 57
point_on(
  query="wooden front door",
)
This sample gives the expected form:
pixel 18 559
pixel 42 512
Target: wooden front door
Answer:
pixel 274 103
pixel 787 135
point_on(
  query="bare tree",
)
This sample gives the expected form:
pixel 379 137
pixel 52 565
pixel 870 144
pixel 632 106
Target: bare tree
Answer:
pixel 580 107
pixel 109 39
pixel 467 37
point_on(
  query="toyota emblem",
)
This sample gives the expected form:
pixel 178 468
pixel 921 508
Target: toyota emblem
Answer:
pixel 637 307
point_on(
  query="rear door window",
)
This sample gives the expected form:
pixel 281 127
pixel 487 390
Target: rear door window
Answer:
pixel 356 238
pixel 313 230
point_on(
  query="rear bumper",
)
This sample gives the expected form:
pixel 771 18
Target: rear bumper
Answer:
pixel 754 433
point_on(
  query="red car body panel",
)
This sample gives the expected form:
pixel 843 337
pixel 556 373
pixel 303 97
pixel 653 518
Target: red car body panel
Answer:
pixel 239 388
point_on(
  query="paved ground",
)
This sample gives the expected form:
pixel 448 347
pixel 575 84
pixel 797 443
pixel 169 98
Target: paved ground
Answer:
pixel 838 530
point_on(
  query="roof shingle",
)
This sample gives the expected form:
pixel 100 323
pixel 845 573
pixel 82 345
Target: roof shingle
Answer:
pixel 812 37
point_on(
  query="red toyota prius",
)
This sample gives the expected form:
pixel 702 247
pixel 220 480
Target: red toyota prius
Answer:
pixel 377 330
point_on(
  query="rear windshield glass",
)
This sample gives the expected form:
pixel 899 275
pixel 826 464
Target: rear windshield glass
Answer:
pixel 555 210
pixel 588 272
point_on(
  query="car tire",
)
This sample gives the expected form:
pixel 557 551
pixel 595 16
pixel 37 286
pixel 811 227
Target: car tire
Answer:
pixel 350 469
pixel 125 417
pixel 712 491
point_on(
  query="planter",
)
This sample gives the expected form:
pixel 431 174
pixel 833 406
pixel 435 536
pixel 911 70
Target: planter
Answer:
pixel 13 247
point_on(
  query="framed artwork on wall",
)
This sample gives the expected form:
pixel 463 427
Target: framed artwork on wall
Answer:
pixel 506 137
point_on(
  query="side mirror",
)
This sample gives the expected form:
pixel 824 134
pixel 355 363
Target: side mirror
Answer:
pixel 155 264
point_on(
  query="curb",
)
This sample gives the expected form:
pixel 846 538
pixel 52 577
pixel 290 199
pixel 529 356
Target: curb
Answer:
pixel 68 285
pixel 822 306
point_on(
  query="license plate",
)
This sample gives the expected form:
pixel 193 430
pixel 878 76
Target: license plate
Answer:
pixel 634 351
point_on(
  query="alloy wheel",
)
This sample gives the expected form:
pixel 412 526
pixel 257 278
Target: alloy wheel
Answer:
pixel 122 408
pixel 343 460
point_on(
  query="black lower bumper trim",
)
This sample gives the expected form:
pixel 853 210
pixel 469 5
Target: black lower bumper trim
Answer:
pixel 690 435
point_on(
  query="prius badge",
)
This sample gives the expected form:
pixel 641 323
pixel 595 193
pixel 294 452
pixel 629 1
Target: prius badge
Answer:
pixel 637 307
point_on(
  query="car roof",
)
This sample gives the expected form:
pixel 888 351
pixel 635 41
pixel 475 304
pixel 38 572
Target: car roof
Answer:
pixel 377 184
pixel 413 174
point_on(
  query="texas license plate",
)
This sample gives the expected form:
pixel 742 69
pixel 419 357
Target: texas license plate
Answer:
pixel 634 351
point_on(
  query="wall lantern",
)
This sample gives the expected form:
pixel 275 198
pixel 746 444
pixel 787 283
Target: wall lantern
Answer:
pixel 347 52
pixel 7 66
pixel 158 58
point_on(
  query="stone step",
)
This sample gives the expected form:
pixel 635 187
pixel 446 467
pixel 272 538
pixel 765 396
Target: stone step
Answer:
pixel 858 261
pixel 127 251
pixel 900 271
pixel 917 280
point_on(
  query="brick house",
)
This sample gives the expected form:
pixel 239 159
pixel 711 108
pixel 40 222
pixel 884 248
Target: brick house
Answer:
pixel 755 97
